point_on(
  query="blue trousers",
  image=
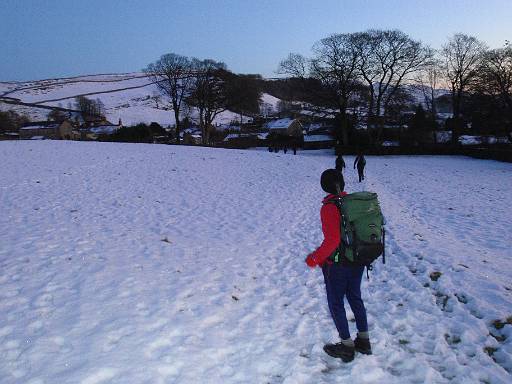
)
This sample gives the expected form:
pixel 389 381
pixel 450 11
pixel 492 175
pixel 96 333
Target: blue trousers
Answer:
pixel 341 281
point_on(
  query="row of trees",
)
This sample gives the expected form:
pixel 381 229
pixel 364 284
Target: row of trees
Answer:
pixel 370 69
pixel 206 85
pixel 10 121
pixel 88 108
pixel 140 133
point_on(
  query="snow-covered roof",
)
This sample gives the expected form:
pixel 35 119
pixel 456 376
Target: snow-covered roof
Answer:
pixel 313 126
pixel 323 114
pixel 390 144
pixel 227 127
pixel 313 138
pixel 475 140
pixel 231 136
pixel 498 140
pixel 190 131
pixel 470 140
pixel 279 123
pixel 444 115
pixel 104 129
pixel 39 126
pixel 260 136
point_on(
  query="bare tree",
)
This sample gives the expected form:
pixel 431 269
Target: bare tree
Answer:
pixel 462 56
pixel 388 60
pixel 156 98
pixel 429 79
pixel 89 108
pixel 11 121
pixel 99 108
pixel 84 105
pixel 173 76
pixel 295 65
pixel 208 93
pixel 496 75
pixel 334 66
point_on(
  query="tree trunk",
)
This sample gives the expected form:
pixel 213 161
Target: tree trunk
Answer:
pixel 380 119
pixel 344 119
pixel 456 99
pixel 370 118
pixel 177 125
pixel 241 122
pixel 201 125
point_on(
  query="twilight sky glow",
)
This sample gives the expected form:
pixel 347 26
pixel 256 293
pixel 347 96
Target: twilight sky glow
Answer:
pixel 55 38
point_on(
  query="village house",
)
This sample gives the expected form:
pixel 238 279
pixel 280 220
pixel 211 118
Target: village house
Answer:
pixel 191 135
pixel 91 128
pixel 287 126
pixel 76 128
pixel 48 130
pixel 104 129
pixel 191 138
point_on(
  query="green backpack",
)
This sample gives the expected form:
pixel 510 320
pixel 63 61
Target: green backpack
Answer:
pixel 362 228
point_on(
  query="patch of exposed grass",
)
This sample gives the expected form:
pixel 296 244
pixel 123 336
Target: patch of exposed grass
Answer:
pixel 499 338
pixel 490 351
pixel 498 324
pixel 452 339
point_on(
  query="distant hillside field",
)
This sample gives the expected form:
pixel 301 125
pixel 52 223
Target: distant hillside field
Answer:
pixel 131 97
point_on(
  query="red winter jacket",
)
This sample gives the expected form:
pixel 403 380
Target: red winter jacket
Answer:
pixel 330 218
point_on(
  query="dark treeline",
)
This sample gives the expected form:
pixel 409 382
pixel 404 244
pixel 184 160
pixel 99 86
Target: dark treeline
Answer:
pixel 366 78
pixel 140 133
pixel 10 121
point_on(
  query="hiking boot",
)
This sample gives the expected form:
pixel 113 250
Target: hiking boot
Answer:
pixel 341 351
pixel 362 345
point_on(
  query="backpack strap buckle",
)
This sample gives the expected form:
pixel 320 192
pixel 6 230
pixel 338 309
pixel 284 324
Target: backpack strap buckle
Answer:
pixel 369 267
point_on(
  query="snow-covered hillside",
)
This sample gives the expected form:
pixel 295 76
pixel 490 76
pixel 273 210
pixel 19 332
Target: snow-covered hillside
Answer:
pixel 131 97
pixel 134 263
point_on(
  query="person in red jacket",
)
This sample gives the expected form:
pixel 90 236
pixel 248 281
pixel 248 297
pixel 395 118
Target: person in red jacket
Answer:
pixel 342 278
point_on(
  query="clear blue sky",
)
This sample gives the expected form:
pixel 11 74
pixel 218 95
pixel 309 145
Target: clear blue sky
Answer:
pixel 53 38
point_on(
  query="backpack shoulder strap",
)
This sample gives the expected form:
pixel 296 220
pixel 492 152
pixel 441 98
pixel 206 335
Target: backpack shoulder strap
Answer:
pixel 340 251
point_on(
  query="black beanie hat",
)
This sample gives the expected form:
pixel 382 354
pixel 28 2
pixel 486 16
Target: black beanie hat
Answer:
pixel 329 179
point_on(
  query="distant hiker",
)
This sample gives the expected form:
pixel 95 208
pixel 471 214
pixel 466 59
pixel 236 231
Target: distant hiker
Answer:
pixel 340 163
pixel 342 278
pixel 294 147
pixel 360 161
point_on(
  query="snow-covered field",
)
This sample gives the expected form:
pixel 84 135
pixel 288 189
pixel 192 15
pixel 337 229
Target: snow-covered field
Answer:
pixel 134 263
